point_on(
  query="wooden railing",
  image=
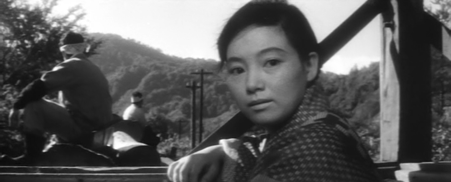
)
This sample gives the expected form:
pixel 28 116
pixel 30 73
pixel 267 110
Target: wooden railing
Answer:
pixel 111 174
pixel 82 174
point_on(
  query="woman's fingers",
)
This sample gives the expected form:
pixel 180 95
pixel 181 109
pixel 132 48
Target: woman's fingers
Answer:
pixel 211 173
pixel 194 173
pixel 183 172
pixel 194 167
pixel 180 171
pixel 175 171
pixel 171 171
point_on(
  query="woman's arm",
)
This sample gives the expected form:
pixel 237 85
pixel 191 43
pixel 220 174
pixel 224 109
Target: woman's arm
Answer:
pixel 204 165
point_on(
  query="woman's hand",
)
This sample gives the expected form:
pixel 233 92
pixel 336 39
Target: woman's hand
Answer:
pixel 203 166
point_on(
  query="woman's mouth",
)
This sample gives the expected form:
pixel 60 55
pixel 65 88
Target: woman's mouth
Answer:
pixel 259 104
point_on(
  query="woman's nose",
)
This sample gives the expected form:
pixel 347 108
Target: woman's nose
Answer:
pixel 254 82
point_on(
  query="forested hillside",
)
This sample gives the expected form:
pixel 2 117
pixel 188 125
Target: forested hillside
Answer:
pixel 130 65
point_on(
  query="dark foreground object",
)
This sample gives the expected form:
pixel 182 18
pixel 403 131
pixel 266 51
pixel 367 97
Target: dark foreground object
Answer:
pixel 75 155
pixel 85 174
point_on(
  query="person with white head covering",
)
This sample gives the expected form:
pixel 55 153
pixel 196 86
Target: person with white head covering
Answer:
pixel 135 112
pixel 84 105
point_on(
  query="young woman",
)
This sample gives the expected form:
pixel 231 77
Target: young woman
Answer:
pixel 269 61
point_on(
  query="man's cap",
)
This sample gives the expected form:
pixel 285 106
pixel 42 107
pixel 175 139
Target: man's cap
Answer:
pixel 71 38
pixel 136 97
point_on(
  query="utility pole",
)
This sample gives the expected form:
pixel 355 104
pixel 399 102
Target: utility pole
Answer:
pixel 180 129
pixel 2 58
pixel 193 86
pixel 201 125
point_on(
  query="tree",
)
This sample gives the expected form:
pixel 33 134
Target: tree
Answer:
pixel 441 10
pixel 440 84
pixel 29 39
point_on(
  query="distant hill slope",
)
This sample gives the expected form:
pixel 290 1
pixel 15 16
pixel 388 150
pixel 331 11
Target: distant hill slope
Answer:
pixel 130 65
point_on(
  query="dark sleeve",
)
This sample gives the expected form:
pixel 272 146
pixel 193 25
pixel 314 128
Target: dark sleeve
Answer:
pixel 149 137
pixel 34 91
pixel 321 153
pixel 62 75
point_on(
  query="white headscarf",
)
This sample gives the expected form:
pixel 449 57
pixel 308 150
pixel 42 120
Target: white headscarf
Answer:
pixel 136 99
pixel 74 48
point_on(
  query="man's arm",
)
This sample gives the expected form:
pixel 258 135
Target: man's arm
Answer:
pixel 61 76
pixel 51 81
pixel 34 91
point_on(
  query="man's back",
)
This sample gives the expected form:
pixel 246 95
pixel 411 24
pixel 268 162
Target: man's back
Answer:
pixel 85 91
pixel 134 113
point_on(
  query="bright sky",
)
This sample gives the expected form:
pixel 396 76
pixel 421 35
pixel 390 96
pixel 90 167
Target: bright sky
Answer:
pixel 189 28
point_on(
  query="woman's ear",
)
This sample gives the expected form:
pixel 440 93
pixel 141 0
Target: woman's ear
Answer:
pixel 312 66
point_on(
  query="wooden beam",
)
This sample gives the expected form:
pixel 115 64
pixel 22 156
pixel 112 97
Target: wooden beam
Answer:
pixel 439 35
pixel 86 174
pixel 233 128
pixel 405 84
pixel 446 42
pixel 350 27
pixel 389 92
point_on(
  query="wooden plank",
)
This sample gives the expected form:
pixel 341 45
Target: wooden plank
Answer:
pixel 74 177
pixel 389 93
pixel 415 74
pixel 233 128
pixel 439 35
pixel 350 27
pixel 446 42
pixel 405 85
pixel 425 171
pixel 66 169
pixel 57 174
pixel 387 170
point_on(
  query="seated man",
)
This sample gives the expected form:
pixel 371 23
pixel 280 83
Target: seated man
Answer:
pixel 134 115
pixel 133 139
pixel 134 112
pixel 84 105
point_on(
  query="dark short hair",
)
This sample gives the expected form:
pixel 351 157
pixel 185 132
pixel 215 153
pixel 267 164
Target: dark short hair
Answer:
pixel 71 38
pixel 270 13
pixel 137 94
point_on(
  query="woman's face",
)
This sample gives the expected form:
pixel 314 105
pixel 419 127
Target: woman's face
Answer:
pixel 265 74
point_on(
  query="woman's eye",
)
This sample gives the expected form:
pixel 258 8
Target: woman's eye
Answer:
pixel 272 62
pixel 235 71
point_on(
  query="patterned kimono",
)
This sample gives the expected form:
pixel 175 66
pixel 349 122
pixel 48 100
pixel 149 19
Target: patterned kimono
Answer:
pixel 314 146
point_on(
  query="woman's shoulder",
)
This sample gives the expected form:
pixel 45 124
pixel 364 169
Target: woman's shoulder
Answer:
pixel 329 129
pixel 336 132
pixel 326 145
pixel 327 121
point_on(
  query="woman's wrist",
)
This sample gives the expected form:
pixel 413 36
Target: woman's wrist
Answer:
pixel 214 151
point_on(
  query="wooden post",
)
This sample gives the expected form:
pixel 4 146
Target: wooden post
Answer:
pixel 446 42
pixel 405 84
pixel 439 35
pixel 234 128
pixel 389 93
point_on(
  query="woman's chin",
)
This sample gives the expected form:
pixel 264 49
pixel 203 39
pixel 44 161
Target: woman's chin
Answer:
pixel 269 121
